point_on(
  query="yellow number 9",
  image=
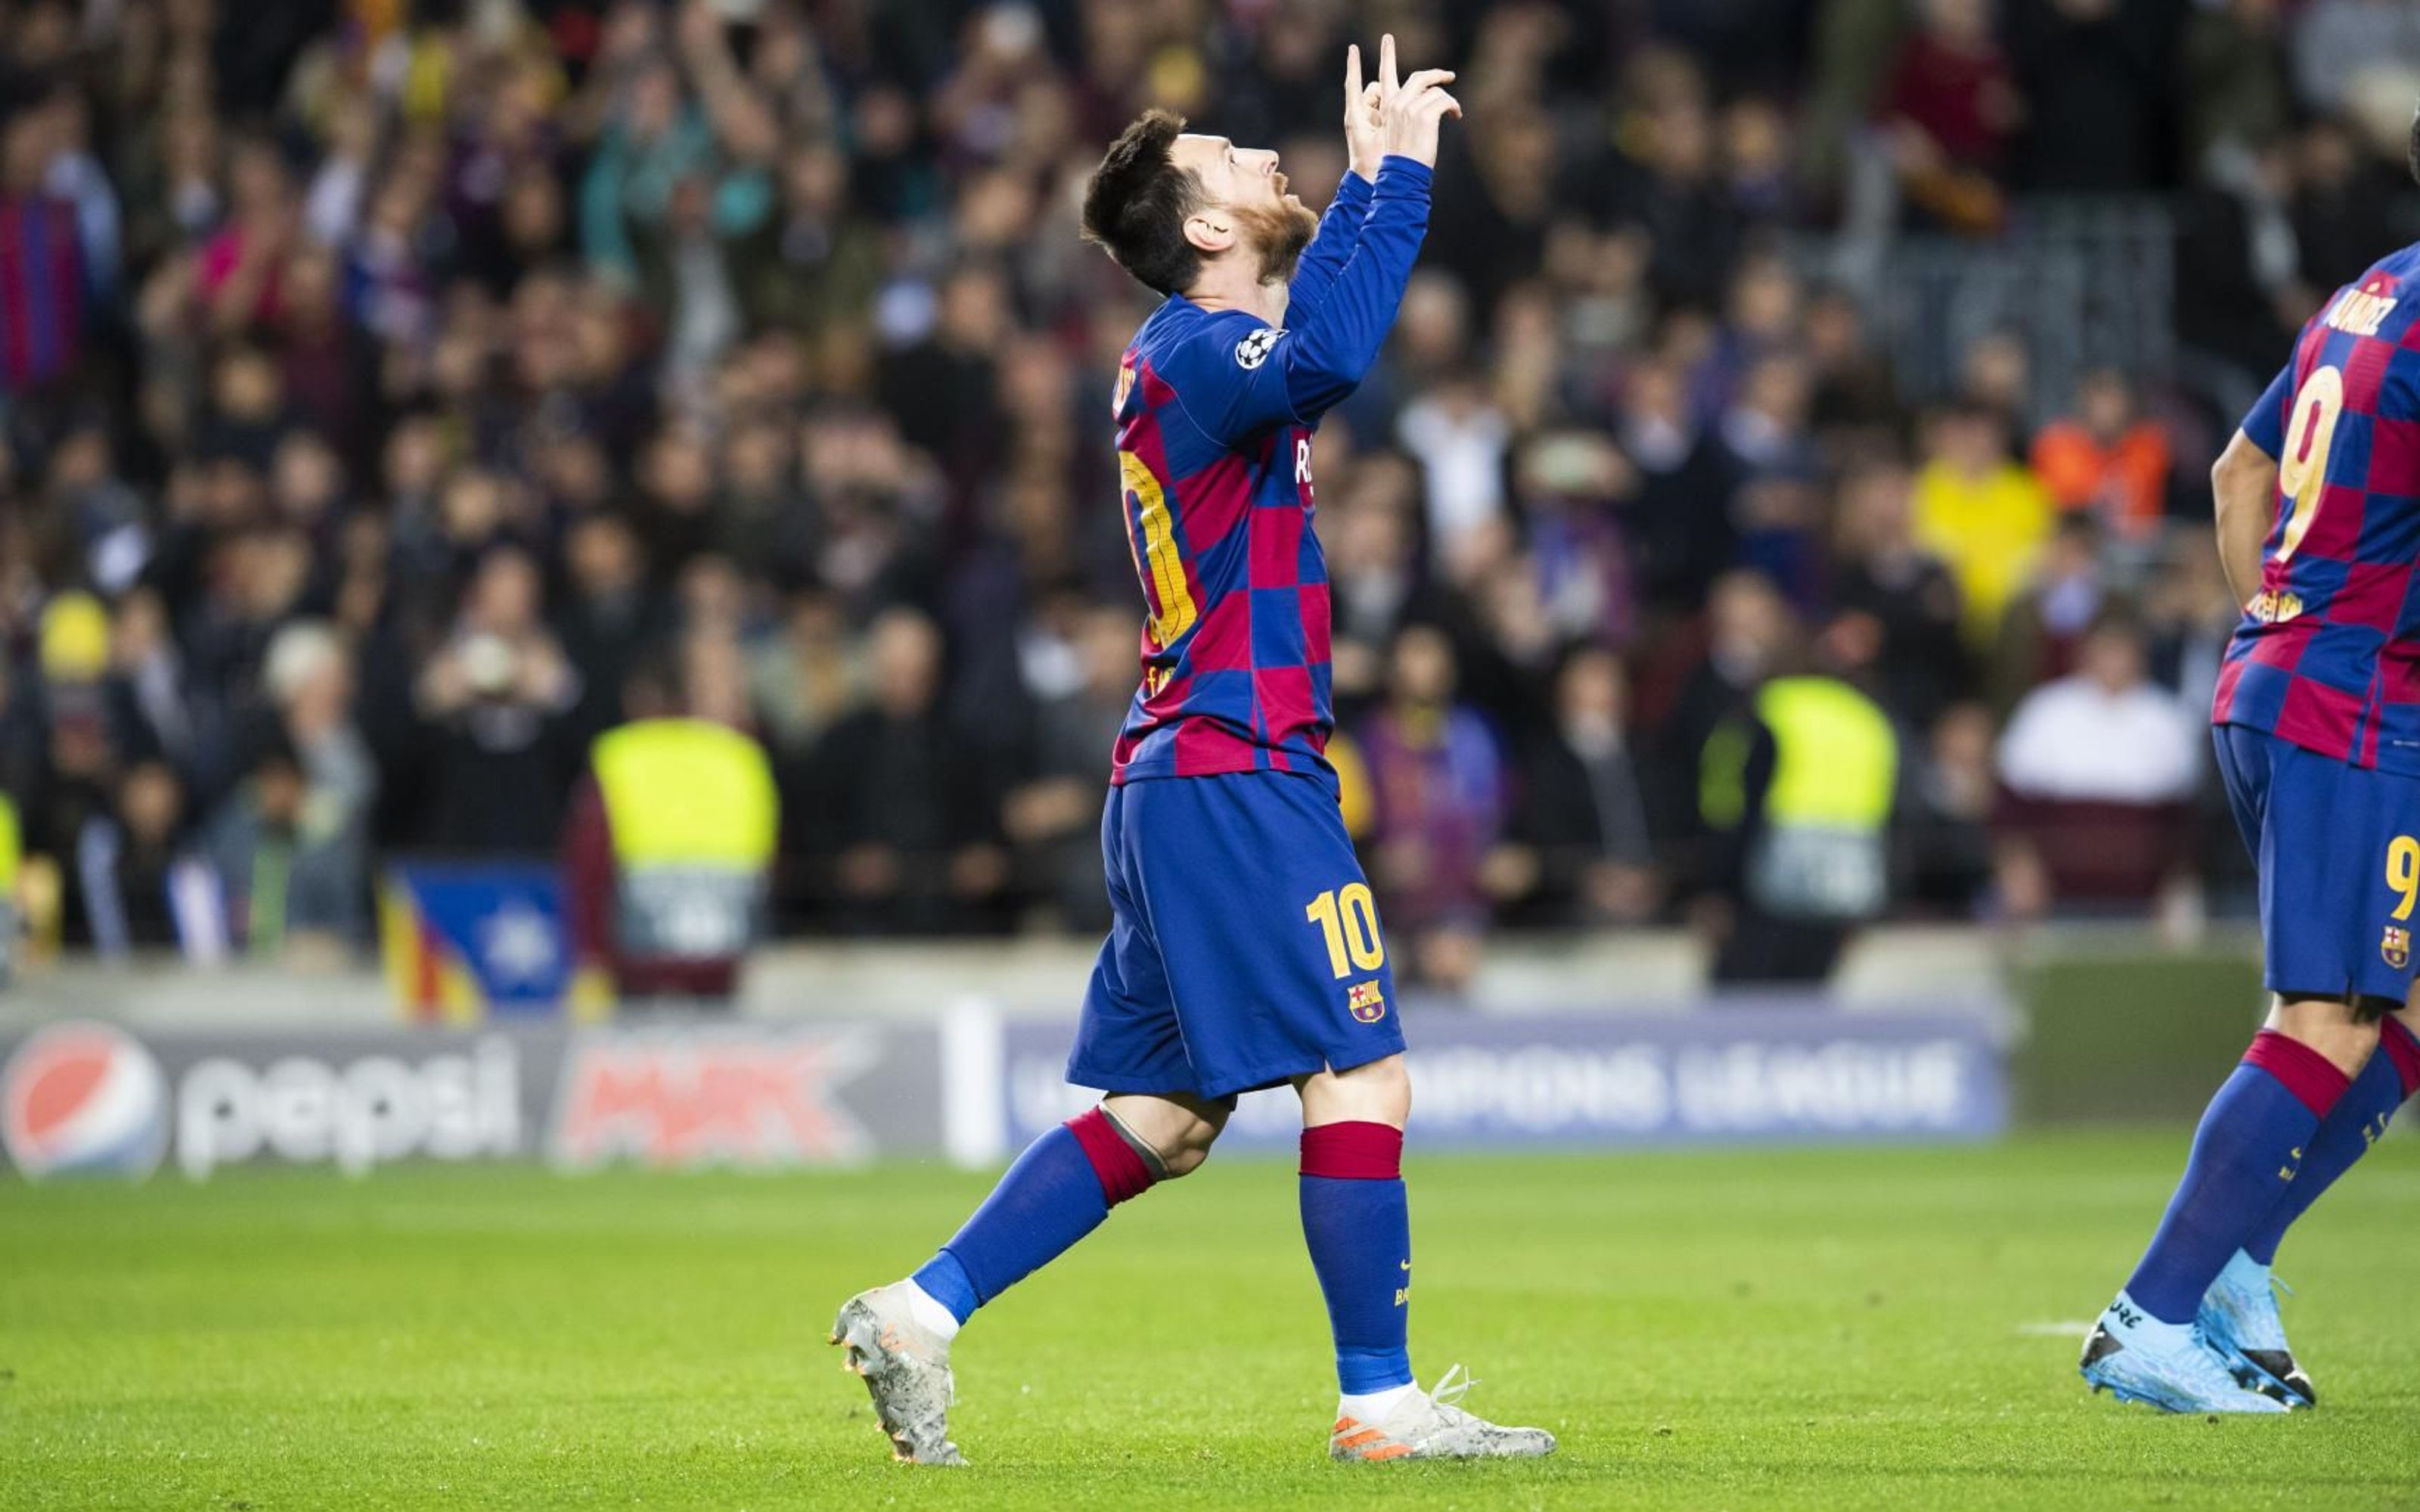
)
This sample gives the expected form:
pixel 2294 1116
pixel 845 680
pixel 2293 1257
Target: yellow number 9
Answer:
pixel 2310 435
pixel 2403 872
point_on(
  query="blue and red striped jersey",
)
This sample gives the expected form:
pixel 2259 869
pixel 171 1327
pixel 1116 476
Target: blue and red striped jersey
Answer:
pixel 1215 414
pixel 2328 654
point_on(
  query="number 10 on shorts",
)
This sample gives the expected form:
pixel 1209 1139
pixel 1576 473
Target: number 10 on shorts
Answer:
pixel 1347 917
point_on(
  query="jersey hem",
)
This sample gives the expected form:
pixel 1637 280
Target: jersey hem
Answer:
pixel 2409 767
pixel 1316 769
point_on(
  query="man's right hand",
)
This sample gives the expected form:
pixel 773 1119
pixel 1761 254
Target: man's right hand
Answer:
pixel 1411 109
pixel 1365 129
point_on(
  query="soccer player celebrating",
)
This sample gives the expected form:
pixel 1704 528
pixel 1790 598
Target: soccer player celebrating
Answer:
pixel 2317 712
pixel 1245 950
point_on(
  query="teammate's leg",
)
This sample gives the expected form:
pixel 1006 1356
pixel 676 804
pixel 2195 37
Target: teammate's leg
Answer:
pixel 2252 1136
pixel 2360 1116
pixel 2238 1314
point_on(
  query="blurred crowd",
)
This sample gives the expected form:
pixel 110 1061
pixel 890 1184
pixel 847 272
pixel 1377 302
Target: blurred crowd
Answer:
pixel 388 383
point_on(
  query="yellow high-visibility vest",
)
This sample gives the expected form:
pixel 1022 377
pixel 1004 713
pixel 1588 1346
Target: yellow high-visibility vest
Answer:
pixel 694 818
pixel 13 849
pixel 1820 852
pixel 1837 757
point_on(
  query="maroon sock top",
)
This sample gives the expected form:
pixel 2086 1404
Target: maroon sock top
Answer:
pixel 2312 1077
pixel 1354 1151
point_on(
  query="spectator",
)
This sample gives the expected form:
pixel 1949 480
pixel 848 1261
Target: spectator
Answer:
pixel 1948 845
pixel 2105 732
pixel 291 847
pixel 669 835
pixel 1576 848
pixel 1906 591
pixel 497 691
pixel 1460 439
pixel 2099 768
pixel 2107 457
pixel 2043 630
pixel 49 279
pixel 1054 817
pixel 612 615
pixel 2189 614
pixel 2099 78
pixel 903 814
pixel 1776 506
pixel 1948 108
pixel 1442 800
pixel 1796 787
pixel 1682 521
pixel 2234 92
pixel 141 884
pixel 1980 510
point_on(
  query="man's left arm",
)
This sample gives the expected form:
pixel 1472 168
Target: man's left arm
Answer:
pixel 2243 488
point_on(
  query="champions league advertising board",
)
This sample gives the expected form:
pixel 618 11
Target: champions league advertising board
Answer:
pixel 1718 1075
pixel 85 1098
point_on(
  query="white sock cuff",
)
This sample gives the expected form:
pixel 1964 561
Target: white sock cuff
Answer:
pixel 1376 1406
pixel 929 1312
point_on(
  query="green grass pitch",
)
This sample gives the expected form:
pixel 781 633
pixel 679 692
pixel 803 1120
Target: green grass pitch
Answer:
pixel 1768 1330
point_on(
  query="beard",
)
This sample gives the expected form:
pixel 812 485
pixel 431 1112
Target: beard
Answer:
pixel 1278 235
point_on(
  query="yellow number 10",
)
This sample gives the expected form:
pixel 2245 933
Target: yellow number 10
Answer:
pixel 2403 872
pixel 1349 918
pixel 1174 610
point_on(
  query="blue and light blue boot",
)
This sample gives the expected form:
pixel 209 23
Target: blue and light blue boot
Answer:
pixel 2238 1318
pixel 2141 1359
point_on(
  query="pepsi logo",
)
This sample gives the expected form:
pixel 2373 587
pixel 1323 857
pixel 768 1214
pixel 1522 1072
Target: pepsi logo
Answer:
pixel 84 1098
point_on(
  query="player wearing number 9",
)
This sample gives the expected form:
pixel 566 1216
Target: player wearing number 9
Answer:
pixel 1246 950
pixel 2318 729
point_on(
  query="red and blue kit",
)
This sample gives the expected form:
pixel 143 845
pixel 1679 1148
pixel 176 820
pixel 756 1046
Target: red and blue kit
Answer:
pixel 1244 949
pixel 2319 697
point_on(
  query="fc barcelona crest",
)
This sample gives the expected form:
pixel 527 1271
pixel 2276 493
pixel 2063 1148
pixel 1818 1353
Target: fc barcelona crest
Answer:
pixel 2396 947
pixel 1366 1002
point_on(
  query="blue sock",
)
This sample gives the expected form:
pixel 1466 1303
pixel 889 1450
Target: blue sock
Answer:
pixel 1359 1228
pixel 2256 1130
pixel 2358 1118
pixel 1056 1192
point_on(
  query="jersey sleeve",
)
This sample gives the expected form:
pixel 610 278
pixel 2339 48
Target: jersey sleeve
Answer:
pixel 1340 232
pixel 2264 424
pixel 1243 376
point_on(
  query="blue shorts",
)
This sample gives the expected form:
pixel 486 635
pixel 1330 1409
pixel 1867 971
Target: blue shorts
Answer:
pixel 1244 947
pixel 2340 867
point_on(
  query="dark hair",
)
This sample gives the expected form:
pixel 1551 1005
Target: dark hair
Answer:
pixel 2118 617
pixel 1137 202
pixel 2411 160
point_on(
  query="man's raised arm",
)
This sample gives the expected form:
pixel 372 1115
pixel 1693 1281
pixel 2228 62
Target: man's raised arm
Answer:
pixel 1298 373
pixel 1340 228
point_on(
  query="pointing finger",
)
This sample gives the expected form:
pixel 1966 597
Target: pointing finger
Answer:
pixel 1352 74
pixel 1387 63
